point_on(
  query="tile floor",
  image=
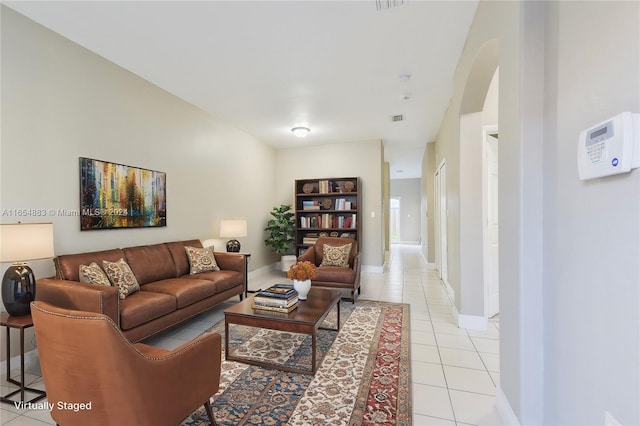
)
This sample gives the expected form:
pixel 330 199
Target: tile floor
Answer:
pixel 454 371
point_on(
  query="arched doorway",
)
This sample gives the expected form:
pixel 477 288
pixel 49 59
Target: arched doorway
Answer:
pixel 479 226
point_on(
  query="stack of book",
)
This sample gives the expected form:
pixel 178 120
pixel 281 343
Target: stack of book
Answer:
pixel 278 298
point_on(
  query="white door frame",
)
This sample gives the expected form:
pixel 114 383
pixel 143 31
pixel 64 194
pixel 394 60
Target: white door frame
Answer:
pixel 441 221
pixel 490 259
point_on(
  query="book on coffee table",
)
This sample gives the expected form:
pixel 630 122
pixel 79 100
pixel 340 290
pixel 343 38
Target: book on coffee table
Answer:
pixel 280 291
pixel 284 310
pixel 277 298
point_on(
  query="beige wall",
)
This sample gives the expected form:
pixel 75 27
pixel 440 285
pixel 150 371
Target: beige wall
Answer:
pixel 363 159
pixel 61 102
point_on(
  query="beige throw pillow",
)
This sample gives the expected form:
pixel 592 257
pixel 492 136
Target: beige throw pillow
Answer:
pixel 121 276
pixel 93 274
pixel 336 255
pixel 201 260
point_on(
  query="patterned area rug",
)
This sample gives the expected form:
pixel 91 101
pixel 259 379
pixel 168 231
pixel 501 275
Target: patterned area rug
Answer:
pixel 363 376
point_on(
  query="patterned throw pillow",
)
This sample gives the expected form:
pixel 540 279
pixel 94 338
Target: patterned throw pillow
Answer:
pixel 121 276
pixel 93 274
pixel 336 255
pixel 201 260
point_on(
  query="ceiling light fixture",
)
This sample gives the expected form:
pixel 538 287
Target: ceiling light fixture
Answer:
pixel 300 132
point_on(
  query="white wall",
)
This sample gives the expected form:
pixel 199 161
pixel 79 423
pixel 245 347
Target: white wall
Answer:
pixel 592 274
pixel 408 190
pixel 363 159
pixel 569 289
pixel 61 102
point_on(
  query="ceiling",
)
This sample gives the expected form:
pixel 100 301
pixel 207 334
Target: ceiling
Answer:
pixel 268 66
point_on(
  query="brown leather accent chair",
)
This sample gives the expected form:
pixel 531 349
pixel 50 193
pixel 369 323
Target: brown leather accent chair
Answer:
pixel 86 359
pixel 335 276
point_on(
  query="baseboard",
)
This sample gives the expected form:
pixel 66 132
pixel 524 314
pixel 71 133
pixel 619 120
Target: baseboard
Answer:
pixel 372 268
pixel 31 362
pixel 509 418
pixel 472 322
pixel 264 270
pixel 450 291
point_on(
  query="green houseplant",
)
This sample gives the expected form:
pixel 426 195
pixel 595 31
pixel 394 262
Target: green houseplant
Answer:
pixel 281 229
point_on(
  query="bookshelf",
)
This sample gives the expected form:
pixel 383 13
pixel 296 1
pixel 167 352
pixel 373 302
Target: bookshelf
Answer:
pixel 327 207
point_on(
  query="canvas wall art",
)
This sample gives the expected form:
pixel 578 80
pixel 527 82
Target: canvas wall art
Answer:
pixel 118 196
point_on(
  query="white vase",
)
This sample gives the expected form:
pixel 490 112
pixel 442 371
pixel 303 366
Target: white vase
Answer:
pixel 302 287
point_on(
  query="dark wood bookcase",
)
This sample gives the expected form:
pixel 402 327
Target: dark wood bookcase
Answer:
pixel 327 207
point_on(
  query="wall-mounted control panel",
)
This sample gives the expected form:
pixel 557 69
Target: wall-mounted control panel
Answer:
pixel 610 147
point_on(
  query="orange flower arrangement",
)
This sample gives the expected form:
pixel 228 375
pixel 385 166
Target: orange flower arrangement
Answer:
pixel 302 271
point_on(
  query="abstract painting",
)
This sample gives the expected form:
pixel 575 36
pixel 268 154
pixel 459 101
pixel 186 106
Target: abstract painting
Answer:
pixel 118 196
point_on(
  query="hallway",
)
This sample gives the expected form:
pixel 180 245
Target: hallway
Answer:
pixel 454 371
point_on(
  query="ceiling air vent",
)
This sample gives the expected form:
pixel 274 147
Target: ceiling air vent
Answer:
pixel 395 118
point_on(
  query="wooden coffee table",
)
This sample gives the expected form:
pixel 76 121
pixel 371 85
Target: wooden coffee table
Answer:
pixel 306 319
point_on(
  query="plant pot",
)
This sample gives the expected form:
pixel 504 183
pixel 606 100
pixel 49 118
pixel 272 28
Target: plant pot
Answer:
pixel 302 287
pixel 287 262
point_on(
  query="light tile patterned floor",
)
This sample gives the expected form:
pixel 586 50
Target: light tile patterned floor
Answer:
pixel 454 371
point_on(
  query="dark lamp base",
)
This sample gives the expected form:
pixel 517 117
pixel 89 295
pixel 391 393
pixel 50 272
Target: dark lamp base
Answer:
pixel 18 290
pixel 233 246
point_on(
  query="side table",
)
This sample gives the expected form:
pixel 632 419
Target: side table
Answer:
pixel 20 323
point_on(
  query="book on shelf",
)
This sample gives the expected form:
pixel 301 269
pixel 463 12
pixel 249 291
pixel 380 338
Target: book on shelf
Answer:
pixel 274 309
pixel 325 186
pixel 280 291
pixel 309 240
pixel 342 204
pixel 310 205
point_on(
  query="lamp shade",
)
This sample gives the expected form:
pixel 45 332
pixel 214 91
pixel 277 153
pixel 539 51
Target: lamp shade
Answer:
pixel 233 228
pixel 20 242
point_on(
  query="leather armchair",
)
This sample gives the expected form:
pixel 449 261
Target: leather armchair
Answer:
pixel 335 276
pixel 85 359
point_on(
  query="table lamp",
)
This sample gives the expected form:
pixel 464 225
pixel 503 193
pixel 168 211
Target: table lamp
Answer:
pixel 20 242
pixel 233 229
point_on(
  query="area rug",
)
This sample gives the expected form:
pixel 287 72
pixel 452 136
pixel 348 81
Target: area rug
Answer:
pixel 363 376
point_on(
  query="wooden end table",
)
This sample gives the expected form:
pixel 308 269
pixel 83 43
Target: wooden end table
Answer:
pixel 21 323
pixel 305 319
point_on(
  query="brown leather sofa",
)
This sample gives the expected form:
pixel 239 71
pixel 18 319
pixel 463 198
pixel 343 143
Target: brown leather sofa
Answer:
pixel 335 276
pixel 94 376
pixel 168 293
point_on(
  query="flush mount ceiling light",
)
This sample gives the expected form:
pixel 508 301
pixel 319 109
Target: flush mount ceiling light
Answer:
pixel 300 132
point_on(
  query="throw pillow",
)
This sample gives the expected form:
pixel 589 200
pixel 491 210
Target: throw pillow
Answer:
pixel 121 276
pixel 93 274
pixel 201 260
pixel 336 255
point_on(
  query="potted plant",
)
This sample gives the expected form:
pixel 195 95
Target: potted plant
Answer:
pixel 281 234
pixel 302 273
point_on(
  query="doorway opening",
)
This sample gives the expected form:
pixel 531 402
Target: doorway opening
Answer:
pixel 440 191
pixel 394 219
pixel 490 220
